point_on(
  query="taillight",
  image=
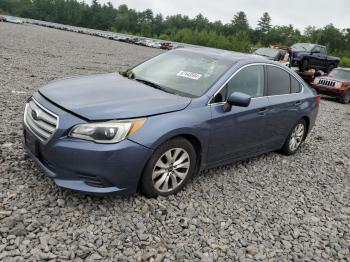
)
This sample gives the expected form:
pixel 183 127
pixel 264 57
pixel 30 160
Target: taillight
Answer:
pixel 318 99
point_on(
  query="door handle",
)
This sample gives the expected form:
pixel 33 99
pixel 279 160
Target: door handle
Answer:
pixel 298 103
pixel 263 111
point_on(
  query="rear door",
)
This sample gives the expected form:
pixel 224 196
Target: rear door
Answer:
pixel 283 91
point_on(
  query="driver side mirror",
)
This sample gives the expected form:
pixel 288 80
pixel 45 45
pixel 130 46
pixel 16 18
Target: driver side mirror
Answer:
pixel 237 99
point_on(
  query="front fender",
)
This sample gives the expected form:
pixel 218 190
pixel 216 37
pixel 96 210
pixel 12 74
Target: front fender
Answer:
pixel 161 128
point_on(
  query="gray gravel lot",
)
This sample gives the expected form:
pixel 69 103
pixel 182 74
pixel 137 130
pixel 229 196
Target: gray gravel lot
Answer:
pixel 267 208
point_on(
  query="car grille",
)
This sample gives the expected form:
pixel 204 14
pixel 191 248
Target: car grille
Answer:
pixel 325 82
pixel 40 121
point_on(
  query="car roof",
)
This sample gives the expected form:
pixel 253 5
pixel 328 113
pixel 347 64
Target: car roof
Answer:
pixel 221 54
pixel 310 44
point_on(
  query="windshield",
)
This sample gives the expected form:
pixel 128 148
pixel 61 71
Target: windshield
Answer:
pixel 182 72
pixel 341 74
pixel 268 52
pixel 303 47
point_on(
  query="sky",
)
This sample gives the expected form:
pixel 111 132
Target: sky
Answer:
pixel 299 13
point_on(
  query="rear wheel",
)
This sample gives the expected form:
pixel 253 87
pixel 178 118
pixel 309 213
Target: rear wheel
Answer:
pixel 304 65
pixel 295 138
pixel 169 169
pixel 345 99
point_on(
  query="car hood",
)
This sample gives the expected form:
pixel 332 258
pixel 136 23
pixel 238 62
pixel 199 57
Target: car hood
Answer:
pixel 111 96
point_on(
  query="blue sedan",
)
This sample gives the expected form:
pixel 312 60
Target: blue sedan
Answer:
pixel 150 128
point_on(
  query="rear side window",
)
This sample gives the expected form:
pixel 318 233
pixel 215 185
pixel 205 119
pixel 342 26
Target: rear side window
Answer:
pixel 278 81
pixel 295 86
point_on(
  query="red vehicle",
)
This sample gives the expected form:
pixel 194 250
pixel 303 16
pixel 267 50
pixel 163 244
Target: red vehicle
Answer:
pixel 336 84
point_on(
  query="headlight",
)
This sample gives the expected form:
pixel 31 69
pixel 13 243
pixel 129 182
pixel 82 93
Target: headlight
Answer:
pixel 337 85
pixel 107 132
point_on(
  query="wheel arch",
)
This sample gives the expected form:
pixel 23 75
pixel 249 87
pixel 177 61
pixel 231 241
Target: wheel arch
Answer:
pixel 307 121
pixel 192 138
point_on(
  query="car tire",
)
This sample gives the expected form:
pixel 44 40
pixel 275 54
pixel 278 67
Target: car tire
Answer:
pixel 295 138
pixel 345 99
pixel 304 65
pixel 162 176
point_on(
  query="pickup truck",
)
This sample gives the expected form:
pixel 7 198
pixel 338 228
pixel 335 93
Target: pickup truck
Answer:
pixel 312 56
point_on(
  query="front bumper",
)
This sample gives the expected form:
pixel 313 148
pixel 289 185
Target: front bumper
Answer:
pixel 86 166
pixel 336 92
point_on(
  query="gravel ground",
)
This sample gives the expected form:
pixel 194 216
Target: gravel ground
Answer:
pixel 268 208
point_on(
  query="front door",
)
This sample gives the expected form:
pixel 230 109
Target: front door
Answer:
pixel 240 132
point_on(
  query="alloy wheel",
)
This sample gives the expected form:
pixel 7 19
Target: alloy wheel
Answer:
pixel 296 137
pixel 171 169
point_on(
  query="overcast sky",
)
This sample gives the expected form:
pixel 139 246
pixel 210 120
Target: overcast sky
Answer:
pixel 299 13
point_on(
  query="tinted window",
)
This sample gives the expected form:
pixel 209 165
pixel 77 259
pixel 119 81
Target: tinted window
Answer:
pixel 295 86
pixel 249 80
pixel 278 81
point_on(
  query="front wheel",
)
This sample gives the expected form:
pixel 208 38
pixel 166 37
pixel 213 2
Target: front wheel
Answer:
pixel 169 169
pixel 345 99
pixel 295 138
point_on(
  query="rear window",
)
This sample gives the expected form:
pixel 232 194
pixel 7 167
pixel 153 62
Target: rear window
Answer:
pixel 278 81
pixel 295 86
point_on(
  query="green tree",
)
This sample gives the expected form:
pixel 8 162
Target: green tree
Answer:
pixel 239 23
pixel 264 23
pixel 201 22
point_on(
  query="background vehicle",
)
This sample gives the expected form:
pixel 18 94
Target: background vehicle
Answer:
pixel 311 56
pixel 275 53
pixel 164 120
pixel 336 84
pixel 11 19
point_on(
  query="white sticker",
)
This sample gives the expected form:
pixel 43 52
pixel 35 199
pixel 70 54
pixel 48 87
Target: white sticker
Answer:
pixel 190 75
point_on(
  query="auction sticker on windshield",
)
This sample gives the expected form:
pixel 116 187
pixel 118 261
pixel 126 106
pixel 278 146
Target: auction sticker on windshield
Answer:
pixel 190 75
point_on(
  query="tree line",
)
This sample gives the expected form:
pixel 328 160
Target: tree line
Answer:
pixel 237 35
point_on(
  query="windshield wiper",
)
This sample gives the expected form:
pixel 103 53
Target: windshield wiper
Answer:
pixel 149 83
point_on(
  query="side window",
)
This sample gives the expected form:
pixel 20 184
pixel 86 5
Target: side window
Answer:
pixel 221 96
pixel 250 80
pixel 323 50
pixel 278 81
pixel 317 49
pixel 295 86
